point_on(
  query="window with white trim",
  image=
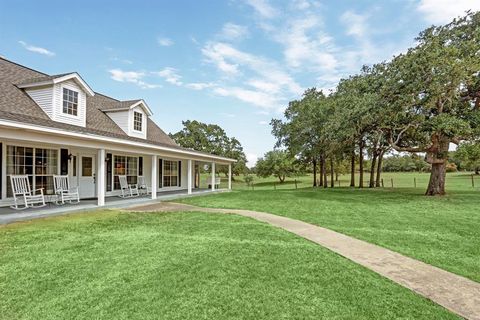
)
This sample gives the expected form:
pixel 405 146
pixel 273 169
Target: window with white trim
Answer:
pixel 170 173
pixel 125 166
pixel 40 165
pixel 70 102
pixel 137 121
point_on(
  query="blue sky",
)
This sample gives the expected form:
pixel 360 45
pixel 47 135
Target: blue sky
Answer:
pixel 235 63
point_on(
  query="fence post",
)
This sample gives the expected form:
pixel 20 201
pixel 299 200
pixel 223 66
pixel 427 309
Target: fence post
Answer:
pixel 473 182
pixel 415 182
pixel 383 186
pixel 391 180
pixel 295 183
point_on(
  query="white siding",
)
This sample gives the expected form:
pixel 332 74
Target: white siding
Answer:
pixel 121 118
pixel 58 115
pixel 44 98
pixel 124 119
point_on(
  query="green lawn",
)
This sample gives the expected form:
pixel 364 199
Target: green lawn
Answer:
pixel 111 265
pixel 442 231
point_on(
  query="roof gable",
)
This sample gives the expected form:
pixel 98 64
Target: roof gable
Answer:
pixel 17 106
pixel 50 80
pixel 130 104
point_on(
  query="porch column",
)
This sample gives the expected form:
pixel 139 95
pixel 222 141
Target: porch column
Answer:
pixel 189 178
pixel 229 176
pixel 100 177
pixel 154 176
pixel 213 176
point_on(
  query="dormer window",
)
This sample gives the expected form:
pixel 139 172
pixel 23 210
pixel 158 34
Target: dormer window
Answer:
pixel 70 102
pixel 137 121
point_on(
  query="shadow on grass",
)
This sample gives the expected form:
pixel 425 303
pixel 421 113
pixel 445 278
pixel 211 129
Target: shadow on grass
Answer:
pixel 277 183
pixel 366 195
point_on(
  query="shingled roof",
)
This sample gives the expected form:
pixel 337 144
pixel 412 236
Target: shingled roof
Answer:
pixel 16 105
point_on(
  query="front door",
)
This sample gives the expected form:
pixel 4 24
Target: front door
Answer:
pixel 86 177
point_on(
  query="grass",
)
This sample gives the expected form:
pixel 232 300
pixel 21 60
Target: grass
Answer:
pixel 442 231
pixel 112 265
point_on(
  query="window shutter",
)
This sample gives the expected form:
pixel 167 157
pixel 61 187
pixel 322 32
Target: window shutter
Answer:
pixel 109 171
pixel 179 173
pixel 64 161
pixel 140 166
pixel 160 173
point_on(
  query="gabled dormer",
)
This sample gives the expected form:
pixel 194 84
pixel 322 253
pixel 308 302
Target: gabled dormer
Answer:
pixel 62 97
pixel 131 116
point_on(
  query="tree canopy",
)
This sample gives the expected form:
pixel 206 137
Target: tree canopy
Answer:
pixel 420 102
pixel 278 163
pixel 211 138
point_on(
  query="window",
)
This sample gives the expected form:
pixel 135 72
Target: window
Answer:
pixel 170 173
pixel 38 164
pixel 87 166
pixel 70 102
pixel 74 166
pixel 137 121
pixel 125 166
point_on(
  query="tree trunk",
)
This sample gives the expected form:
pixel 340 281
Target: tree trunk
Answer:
pixel 332 173
pixel 324 164
pixel 281 178
pixel 320 183
pixel 314 163
pixel 372 169
pixel 360 164
pixel 379 168
pixel 436 185
pixel 336 176
pixel 352 170
pixel 477 170
pixel 437 156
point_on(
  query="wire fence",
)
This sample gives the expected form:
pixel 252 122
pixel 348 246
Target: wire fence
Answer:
pixel 463 181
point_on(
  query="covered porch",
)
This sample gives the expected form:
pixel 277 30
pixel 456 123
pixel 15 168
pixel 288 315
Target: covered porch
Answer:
pixel 94 167
pixel 9 215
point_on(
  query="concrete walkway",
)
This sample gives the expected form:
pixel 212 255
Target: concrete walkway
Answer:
pixel 456 293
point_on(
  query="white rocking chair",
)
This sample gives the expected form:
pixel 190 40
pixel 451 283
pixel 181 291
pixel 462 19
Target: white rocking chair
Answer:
pixel 128 190
pixel 63 191
pixel 21 191
pixel 143 188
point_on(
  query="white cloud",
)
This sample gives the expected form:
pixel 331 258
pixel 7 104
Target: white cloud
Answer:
pixel 264 86
pixel 443 11
pixel 225 54
pixel 263 8
pixel 306 45
pixel 301 4
pixel 263 122
pixel 199 85
pixel 216 56
pixel 251 159
pixel 257 98
pixel 131 77
pixel 232 31
pixel 170 75
pixel 355 23
pixel 36 49
pixel 269 86
pixel 164 42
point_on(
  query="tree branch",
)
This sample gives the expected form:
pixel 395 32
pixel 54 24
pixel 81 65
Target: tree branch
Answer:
pixel 394 144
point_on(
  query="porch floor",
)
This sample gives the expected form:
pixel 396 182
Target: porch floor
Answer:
pixel 9 215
